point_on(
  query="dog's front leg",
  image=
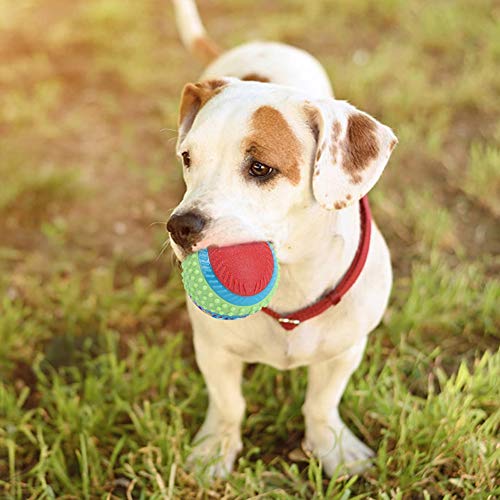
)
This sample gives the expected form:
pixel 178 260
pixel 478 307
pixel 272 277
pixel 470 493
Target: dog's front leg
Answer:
pixel 326 434
pixel 219 439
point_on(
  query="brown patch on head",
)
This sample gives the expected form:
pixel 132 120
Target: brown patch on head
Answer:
pixel 340 204
pixel 206 49
pixel 348 197
pixel 360 146
pixel 255 77
pixel 273 142
pixel 194 97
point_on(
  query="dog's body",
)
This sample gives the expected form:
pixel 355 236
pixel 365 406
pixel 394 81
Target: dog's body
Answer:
pixel 324 156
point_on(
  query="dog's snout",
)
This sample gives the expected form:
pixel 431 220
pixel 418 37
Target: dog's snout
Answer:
pixel 186 228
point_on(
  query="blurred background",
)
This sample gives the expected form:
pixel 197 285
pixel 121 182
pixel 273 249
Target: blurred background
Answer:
pixel 88 107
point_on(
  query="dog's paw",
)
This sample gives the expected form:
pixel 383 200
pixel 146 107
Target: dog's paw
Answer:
pixel 213 454
pixel 338 448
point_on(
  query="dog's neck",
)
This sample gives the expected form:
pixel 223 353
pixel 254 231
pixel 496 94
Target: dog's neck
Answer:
pixel 318 255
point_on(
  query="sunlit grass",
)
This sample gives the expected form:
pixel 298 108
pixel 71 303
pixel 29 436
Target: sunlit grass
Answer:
pixel 30 190
pixel 482 180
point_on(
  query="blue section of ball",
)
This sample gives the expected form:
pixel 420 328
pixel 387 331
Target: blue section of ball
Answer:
pixel 227 295
pixel 218 316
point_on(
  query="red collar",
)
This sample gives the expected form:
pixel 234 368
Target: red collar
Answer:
pixel 332 298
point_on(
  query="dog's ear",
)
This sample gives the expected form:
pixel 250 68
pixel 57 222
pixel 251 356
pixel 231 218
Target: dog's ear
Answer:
pixel 352 150
pixel 194 97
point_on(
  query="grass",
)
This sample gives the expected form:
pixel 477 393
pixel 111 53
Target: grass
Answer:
pixel 99 392
pixel 482 180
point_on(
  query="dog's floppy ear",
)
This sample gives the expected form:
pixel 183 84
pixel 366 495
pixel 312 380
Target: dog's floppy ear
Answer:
pixel 194 97
pixel 352 150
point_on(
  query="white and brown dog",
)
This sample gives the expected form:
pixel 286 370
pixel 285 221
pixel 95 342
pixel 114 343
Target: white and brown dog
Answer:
pixel 270 155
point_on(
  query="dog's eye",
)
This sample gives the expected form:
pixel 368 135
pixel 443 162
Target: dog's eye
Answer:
pixel 258 169
pixel 186 159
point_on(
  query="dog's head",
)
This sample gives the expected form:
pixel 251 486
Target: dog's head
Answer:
pixel 260 159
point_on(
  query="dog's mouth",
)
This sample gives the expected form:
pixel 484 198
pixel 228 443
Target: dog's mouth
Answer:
pixel 181 254
pixel 214 234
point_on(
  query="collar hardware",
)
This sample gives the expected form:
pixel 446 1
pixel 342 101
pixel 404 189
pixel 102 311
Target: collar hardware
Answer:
pixel 289 321
pixel 333 297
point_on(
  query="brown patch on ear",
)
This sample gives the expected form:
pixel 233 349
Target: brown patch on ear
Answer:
pixel 393 144
pixel 360 145
pixel 206 49
pixel 335 140
pixel 194 97
pixel 255 77
pixel 313 120
pixel 273 142
pixel 336 130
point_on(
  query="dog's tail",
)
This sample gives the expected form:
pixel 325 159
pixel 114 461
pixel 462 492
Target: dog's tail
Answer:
pixel 193 33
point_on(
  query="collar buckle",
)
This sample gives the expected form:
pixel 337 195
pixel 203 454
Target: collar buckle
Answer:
pixel 289 321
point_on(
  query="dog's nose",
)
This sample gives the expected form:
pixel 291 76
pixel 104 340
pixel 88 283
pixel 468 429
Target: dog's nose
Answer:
pixel 186 228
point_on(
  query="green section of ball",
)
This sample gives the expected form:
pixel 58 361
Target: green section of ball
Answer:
pixel 202 294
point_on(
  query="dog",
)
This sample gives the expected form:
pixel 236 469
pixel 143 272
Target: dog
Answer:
pixel 269 154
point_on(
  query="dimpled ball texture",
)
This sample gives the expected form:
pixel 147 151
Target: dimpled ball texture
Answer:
pixel 231 282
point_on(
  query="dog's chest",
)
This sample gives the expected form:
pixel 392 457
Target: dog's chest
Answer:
pixel 315 341
pixel 285 350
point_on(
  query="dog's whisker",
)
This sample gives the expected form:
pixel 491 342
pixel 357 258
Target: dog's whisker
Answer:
pixel 161 222
pixel 164 247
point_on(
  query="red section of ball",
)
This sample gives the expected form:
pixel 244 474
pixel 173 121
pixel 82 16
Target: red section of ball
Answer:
pixel 244 269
